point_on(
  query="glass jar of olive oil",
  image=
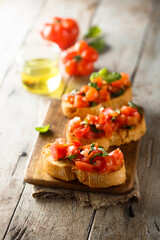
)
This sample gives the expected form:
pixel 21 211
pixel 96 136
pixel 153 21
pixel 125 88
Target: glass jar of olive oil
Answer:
pixel 39 69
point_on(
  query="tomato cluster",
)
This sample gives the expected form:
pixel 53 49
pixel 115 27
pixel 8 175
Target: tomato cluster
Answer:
pixel 63 31
pixel 101 92
pixel 109 120
pixel 87 158
pixel 79 59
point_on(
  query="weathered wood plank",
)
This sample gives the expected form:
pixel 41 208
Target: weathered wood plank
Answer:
pixel 23 111
pixel 115 223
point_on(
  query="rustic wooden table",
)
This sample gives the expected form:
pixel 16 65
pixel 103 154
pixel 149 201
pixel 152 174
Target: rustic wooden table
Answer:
pixel 133 33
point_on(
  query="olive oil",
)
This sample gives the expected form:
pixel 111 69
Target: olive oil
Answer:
pixel 41 75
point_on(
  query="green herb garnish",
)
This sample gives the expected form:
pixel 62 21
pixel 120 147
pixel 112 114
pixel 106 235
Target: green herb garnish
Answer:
pixel 133 105
pixel 103 153
pixel 43 129
pixel 95 38
pixel 93 32
pixel 118 93
pixel 93 104
pixel 70 157
pixel 93 128
pixel 98 44
pixel 127 127
pixel 109 77
pixel 94 85
pixel 92 148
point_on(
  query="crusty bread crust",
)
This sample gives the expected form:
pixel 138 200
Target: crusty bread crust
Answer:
pixel 119 137
pixel 117 102
pixel 58 169
pixel 67 171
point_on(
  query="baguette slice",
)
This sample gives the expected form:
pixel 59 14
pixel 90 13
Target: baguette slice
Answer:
pixel 119 137
pixel 67 171
pixel 117 102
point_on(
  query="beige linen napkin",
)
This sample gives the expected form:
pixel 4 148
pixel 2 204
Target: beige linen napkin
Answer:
pixel 95 200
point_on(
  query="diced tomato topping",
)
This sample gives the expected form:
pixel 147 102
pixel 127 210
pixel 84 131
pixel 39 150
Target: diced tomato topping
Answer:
pixel 84 166
pixel 74 123
pixel 108 130
pixel 109 120
pixel 84 89
pixel 98 80
pixel 58 150
pixel 124 81
pixel 92 94
pixel 104 94
pixel 81 131
pixel 68 98
pixel 80 101
pixel 84 157
pixel 92 119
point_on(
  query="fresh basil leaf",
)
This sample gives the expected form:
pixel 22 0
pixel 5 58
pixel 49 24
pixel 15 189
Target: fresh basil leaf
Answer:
pixel 112 77
pixel 93 128
pixel 103 72
pixel 43 129
pixel 118 93
pixel 94 85
pixel 94 75
pixel 93 104
pixel 103 151
pixel 73 92
pixel 133 105
pixel 98 44
pixel 92 148
pixel 127 127
pixel 93 32
pixel 94 156
pixel 70 157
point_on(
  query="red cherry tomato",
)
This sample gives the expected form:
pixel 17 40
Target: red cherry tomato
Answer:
pixel 63 31
pixel 79 59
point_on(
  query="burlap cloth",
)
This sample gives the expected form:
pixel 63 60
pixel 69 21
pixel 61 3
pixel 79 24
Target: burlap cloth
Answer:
pixel 95 200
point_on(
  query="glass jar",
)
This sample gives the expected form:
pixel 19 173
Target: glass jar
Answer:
pixel 39 66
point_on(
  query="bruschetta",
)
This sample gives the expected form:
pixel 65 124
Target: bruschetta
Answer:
pixel 104 90
pixel 91 164
pixel 110 127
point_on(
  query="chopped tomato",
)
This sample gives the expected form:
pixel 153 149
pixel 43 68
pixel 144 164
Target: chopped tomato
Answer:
pixel 132 120
pixel 76 143
pixel 72 150
pixel 92 119
pixel 104 94
pixel 98 80
pixel 81 131
pixel 84 89
pixel 92 94
pixel 124 81
pixel 108 130
pixel 68 98
pixel 74 123
pixel 128 111
pixel 58 150
pixel 84 166
pixel 80 101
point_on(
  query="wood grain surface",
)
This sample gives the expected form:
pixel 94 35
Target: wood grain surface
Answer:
pixel 36 174
pixel 133 38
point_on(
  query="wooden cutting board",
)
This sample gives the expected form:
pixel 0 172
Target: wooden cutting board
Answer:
pixel 35 173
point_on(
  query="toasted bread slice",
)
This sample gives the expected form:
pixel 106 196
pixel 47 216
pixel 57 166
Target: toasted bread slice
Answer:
pixel 119 137
pixel 94 180
pixel 65 170
pixel 58 169
pixel 117 102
